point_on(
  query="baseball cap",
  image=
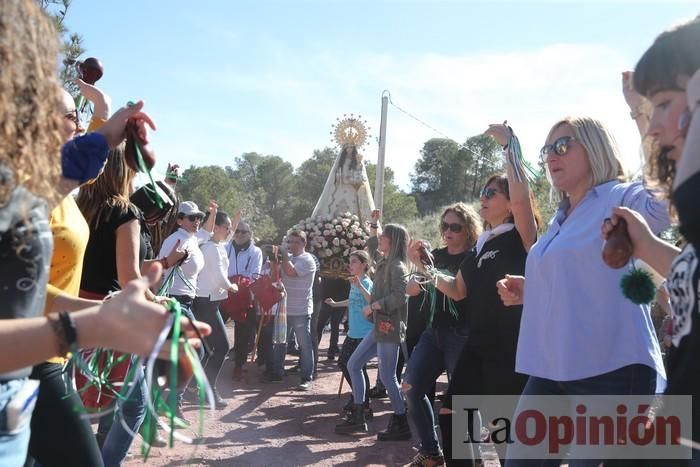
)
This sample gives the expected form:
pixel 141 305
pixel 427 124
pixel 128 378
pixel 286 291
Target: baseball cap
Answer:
pixel 188 208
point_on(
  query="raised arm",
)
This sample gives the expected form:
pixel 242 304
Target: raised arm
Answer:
pixel 519 190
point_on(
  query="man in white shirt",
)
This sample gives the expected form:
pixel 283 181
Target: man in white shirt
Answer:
pixel 298 268
pixel 245 259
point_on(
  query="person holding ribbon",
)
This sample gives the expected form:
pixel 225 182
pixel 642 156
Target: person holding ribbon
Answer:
pixel 32 181
pixel 486 364
pixel 440 344
pixel 180 277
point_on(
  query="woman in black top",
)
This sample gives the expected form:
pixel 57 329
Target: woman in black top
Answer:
pixel 668 74
pixel 487 362
pixel 440 344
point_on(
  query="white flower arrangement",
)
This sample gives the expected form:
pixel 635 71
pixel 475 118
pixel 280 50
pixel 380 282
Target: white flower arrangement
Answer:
pixel 333 240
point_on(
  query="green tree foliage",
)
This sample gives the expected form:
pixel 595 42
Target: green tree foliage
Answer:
pixel 399 207
pixel 310 178
pixel 72 47
pixel 447 172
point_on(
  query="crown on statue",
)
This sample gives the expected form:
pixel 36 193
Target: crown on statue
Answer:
pixel 350 131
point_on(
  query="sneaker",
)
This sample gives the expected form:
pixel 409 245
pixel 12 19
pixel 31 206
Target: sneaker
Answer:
pixel 398 429
pixel 219 402
pixel 293 370
pixel 427 460
pixel 306 386
pixel 156 441
pixel 378 393
pixel 347 408
pixel 331 357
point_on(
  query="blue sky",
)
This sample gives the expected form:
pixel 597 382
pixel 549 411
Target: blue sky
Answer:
pixel 226 77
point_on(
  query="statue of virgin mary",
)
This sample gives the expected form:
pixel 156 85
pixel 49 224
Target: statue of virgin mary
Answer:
pixel 347 187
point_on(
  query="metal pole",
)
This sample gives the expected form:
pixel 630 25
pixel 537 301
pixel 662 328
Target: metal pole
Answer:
pixel 379 181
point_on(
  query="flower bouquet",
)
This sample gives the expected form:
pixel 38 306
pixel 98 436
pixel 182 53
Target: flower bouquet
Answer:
pixel 332 241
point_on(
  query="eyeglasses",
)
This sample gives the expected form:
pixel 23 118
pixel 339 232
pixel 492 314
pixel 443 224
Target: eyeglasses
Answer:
pixel 72 116
pixel 456 228
pixel 560 147
pixel 238 231
pixel 191 217
pixel 488 193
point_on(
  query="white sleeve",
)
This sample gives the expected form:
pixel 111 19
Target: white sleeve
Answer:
pixel 167 245
pixel 203 236
pixel 256 261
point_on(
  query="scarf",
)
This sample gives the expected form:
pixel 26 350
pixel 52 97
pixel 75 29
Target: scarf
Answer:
pixel 487 235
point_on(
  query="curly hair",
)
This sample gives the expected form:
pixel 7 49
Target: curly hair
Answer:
pixel 674 53
pixel 30 132
pixel 111 189
pixel 469 218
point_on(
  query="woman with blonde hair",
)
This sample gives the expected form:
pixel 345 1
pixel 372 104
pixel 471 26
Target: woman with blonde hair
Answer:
pixel 440 344
pixel 573 297
pixel 486 364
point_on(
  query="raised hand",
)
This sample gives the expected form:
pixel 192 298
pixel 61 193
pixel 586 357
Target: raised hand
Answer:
pixel 101 101
pixel 632 97
pixel 113 129
pixel 500 132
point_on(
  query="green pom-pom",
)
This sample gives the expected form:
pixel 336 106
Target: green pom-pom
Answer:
pixel 638 287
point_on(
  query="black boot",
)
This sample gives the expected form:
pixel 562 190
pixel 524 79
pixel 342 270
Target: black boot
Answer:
pixel 354 422
pixel 369 414
pixel 398 429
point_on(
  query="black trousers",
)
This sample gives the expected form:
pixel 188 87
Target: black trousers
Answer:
pixel 335 316
pixel 349 346
pixel 59 436
pixel 242 333
pixel 208 311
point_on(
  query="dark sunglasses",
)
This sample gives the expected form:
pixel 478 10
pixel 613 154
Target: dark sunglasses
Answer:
pixel 456 228
pixel 488 193
pixel 560 146
pixel 242 231
pixel 72 116
pixel 191 217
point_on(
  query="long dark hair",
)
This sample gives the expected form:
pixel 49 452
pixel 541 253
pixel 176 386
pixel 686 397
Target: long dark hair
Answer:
pixel 674 53
pixel 501 182
pixel 344 155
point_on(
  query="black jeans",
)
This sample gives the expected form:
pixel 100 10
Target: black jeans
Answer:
pixel 208 311
pixel 58 435
pixel 335 316
pixel 242 333
pixel 349 346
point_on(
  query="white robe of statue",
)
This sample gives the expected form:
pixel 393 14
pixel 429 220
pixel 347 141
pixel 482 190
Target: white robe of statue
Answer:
pixel 346 190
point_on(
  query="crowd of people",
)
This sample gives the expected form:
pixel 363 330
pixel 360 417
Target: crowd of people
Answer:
pixel 505 305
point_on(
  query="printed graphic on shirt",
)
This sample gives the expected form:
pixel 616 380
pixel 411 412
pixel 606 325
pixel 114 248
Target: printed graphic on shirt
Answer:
pixel 487 255
pixel 682 292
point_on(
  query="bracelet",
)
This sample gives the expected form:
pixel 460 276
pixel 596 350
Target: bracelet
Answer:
pixel 63 326
pixel 69 329
pixel 374 226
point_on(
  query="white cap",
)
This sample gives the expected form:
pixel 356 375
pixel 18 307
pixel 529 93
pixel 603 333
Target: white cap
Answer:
pixel 188 208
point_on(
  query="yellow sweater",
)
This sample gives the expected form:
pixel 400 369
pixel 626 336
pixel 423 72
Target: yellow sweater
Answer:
pixel 70 237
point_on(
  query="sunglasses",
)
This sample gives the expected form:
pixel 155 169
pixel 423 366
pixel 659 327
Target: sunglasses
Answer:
pixel 456 228
pixel 488 193
pixel 241 231
pixel 559 147
pixel 191 217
